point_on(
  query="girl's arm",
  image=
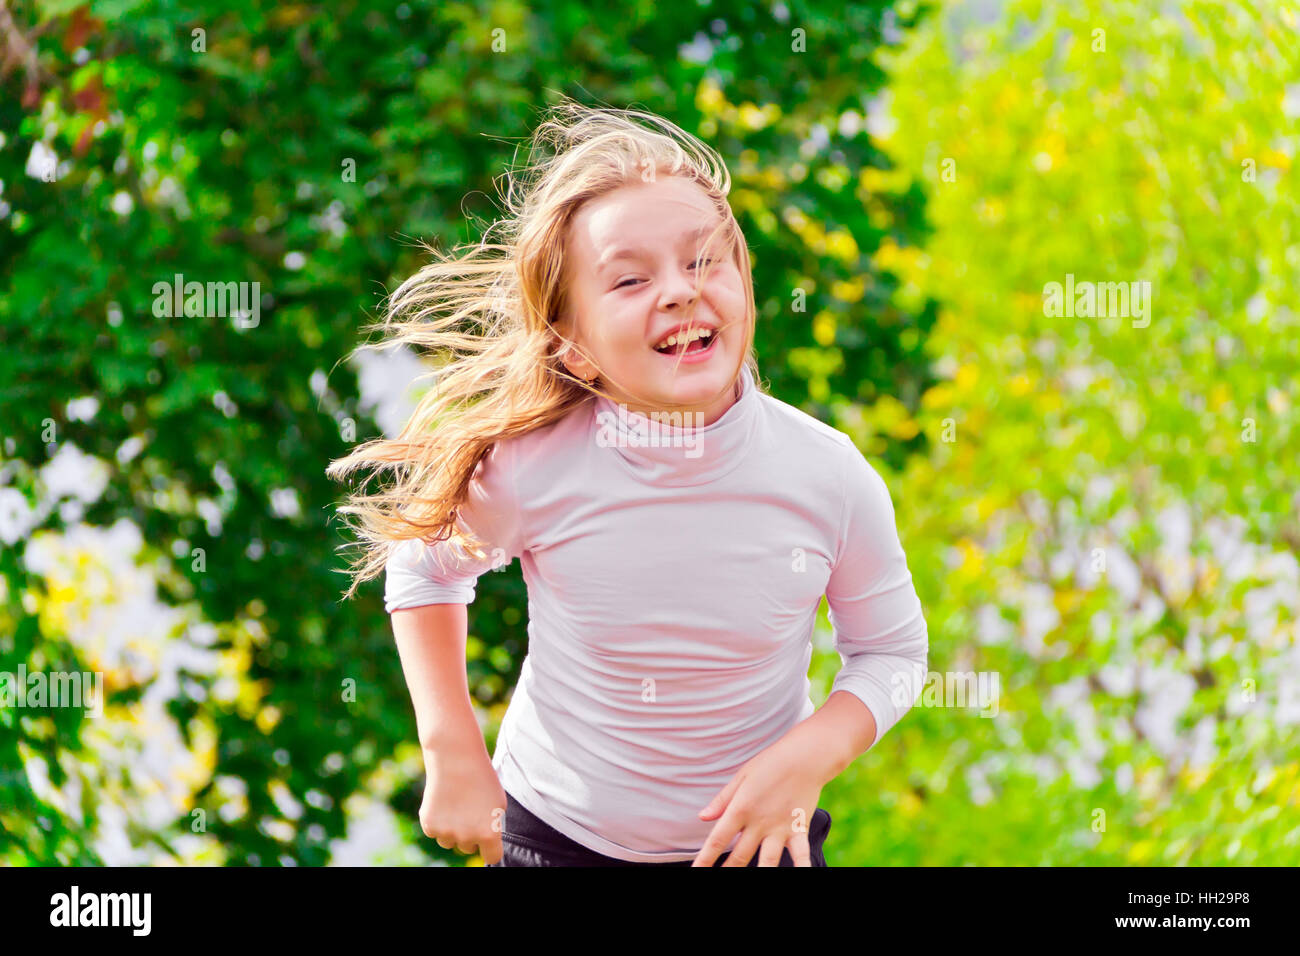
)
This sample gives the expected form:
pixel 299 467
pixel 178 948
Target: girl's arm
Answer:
pixel 879 628
pixel 431 645
pixel 464 803
pixel 427 588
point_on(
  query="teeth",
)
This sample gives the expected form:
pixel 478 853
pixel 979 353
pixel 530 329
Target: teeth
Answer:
pixel 685 338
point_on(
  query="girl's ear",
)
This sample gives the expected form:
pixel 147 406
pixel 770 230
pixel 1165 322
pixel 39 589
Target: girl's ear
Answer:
pixel 570 357
pixel 577 365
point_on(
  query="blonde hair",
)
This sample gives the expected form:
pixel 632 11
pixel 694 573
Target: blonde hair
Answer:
pixel 497 314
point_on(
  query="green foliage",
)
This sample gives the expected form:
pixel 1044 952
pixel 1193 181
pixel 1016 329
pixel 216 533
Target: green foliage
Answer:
pixel 1107 516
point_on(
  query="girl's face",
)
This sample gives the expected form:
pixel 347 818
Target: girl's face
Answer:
pixel 635 256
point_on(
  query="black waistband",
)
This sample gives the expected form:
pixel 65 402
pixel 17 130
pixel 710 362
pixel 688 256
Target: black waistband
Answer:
pixel 526 828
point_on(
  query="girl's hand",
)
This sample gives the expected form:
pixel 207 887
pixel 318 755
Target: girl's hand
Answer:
pixel 770 802
pixel 464 803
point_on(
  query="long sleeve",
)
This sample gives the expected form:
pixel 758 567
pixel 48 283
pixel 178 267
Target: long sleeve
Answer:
pixel 875 614
pixel 445 573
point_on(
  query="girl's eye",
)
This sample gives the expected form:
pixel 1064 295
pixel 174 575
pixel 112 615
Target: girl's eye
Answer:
pixel 697 262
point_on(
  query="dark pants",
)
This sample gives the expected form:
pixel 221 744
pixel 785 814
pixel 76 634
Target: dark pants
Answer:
pixel 527 841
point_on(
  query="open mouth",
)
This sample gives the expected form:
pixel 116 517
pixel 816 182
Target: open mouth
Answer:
pixel 691 343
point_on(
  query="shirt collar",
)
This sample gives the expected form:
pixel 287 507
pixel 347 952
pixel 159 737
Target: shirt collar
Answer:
pixel 660 453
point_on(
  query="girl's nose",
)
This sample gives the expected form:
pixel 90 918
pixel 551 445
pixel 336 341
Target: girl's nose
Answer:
pixel 679 288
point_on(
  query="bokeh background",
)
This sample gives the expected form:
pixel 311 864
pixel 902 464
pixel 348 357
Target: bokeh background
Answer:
pixel 1102 512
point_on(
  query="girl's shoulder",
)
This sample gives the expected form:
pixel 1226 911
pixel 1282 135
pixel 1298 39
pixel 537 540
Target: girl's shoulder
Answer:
pixel 825 454
pixel 554 443
pixel 796 423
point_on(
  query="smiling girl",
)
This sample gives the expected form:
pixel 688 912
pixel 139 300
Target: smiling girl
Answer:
pixel 674 571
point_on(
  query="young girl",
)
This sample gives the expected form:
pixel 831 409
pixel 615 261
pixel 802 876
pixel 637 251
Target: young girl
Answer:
pixel 601 419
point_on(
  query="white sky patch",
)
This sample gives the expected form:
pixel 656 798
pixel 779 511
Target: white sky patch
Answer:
pixel 73 474
pixel 881 123
pixel 1291 101
pixel 991 627
pixel 285 504
pixel 83 409
pixel 17 516
pixel 386 380
pixel 210 512
pixel 373 838
pixel 41 161
pixel 129 449
pixel 1166 694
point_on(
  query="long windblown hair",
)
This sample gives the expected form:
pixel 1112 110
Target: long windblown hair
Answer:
pixel 497 322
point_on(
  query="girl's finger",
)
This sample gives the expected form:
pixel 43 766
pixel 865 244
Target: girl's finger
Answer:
pixel 745 848
pixel 717 840
pixel 723 797
pixel 800 851
pixel 492 849
pixel 770 853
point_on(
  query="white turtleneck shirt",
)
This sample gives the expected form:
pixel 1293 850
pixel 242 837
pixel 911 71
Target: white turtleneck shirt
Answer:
pixel 674 577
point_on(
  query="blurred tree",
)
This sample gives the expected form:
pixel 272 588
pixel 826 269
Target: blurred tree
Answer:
pixel 292 145
pixel 1107 517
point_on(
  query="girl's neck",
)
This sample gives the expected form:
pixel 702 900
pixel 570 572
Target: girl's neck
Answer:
pixel 695 416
